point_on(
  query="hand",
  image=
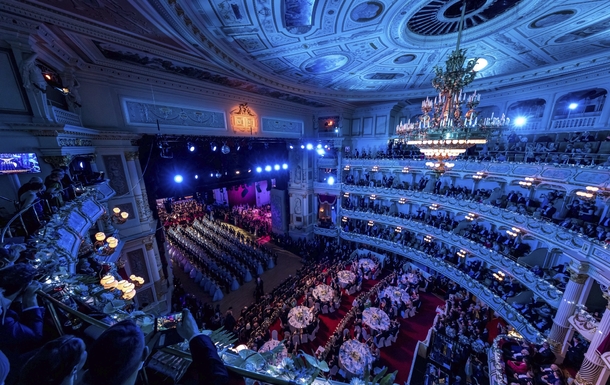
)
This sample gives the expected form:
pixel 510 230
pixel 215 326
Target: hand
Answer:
pixel 30 291
pixel 187 328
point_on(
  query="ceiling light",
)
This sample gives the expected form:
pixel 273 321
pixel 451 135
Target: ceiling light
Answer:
pixel 213 146
pixel 285 166
pixel 520 121
pixel 268 168
pixel 178 178
pixel 573 106
pixel 190 146
pixel 481 63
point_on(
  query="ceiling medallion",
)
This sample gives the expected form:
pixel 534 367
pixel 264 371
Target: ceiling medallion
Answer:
pixel 442 17
pixel 324 64
pixel 367 11
pixel 443 131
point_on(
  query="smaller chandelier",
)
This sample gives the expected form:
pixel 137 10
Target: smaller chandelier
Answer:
pixel 440 167
pixel 514 232
pixel 471 217
pixel 479 175
pixel 105 245
pixel 462 253
pixel 428 238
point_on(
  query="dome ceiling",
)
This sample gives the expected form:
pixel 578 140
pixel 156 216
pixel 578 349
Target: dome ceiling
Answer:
pixel 319 51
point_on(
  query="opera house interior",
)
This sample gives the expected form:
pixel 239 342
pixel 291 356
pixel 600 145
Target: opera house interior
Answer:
pixel 305 192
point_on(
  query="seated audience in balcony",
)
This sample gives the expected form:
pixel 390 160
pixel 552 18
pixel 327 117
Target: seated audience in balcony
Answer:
pixel 67 184
pixel 31 197
pixel 20 316
pixel 58 362
pixel 54 192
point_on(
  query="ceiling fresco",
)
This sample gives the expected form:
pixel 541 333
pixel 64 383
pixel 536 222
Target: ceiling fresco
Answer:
pixel 317 52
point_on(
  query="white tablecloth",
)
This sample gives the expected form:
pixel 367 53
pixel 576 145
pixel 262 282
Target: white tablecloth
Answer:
pixel 395 294
pixel 376 318
pixel 270 345
pixel 346 277
pixel 353 355
pixel 409 278
pixel 367 264
pixel 300 316
pixel 323 293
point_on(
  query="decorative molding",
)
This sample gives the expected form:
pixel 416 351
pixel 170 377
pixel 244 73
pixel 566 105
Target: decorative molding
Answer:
pixel 74 142
pixel 131 156
pixel 282 126
pixel 142 113
pixel 506 311
pixel 523 274
pixel 58 161
pixel 149 246
pixel 116 172
pixel 244 120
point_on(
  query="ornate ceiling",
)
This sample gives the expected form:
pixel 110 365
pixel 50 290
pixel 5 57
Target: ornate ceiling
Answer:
pixel 317 52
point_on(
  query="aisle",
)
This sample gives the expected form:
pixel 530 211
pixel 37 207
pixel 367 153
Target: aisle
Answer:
pixel 401 354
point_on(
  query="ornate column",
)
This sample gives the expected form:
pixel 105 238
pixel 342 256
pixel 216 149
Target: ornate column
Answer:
pixel 566 308
pixel 136 183
pixel 152 262
pixel 592 365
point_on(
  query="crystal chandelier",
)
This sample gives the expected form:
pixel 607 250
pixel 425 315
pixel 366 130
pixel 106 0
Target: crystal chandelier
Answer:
pixel 442 131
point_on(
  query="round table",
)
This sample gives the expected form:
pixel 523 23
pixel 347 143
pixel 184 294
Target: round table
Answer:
pixel 367 264
pixel 300 316
pixel 376 318
pixel 409 278
pixel 353 355
pixel 272 344
pixel 345 277
pixel 394 293
pixel 324 293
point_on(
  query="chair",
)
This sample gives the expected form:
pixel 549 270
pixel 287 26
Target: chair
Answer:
pixel 365 334
pixel 380 343
pixel 310 302
pixel 304 338
pixel 389 341
pixel 325 309
pixel 274 335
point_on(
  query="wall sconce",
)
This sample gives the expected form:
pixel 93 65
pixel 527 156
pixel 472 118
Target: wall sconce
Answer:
pixel 105 245
pixel 428 238
pixel 462 253
pixel 471 217
pixel 344 219
pixel 119 217
pixel 346 168
pixel 373 197
pixel 375 168
pixel 479 175
pixel 346 195
pixel 398 229
pixel 499 276
pixel 371 223
pixel 405 170
pixel 402 201
pixel 584 194
pixel 137 281
pixel 433 207
pixel 108 282
pixel 514 232
pixel 528 182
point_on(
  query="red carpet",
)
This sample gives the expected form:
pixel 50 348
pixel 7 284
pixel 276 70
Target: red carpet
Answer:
pixel 400 355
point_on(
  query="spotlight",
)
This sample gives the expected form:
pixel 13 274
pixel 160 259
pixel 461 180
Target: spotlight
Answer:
pixel 573 106
pixel 196 176
pixel 331 180
pixel 319 146
pixel 178 178
pixel 309 146
pixel 213 146
pixel 225 149
pixel 276 167
pixel 320 151
pixel 302 146
pixel 238 147
pixel 268 168
pixel 520 121
pixel 285 166
pixel 290 146
pixel 259 169
pixel 190 146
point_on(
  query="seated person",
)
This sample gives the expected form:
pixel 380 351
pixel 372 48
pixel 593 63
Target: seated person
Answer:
pixel 543 355
pixel 20 316
pixel 58 362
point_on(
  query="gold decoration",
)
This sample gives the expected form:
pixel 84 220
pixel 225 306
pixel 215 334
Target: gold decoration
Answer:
pixel 577 277
pixel 149 246
pixel 58 161
pixel 132 155
pixel 243 120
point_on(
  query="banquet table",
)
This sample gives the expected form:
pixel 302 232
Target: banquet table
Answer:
pixel 353 355
pixel 324 293
pixel 409 278
pixel 300 316
pixel 395 294
pixel 367 264
pixel 376 318
pixel 346 277
pixel 272 344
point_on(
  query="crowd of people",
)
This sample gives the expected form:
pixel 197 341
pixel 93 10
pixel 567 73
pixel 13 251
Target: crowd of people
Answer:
pixel 255 220
pixel 579 148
